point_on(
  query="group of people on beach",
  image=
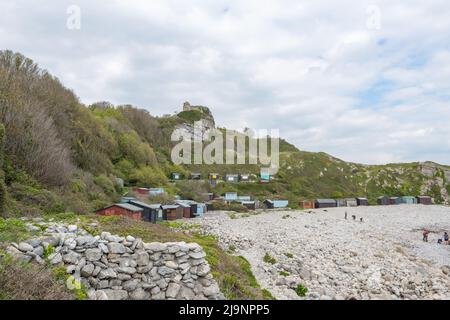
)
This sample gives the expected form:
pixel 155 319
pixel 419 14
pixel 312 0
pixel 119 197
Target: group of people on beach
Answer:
pixel 443 240
pixel 353 217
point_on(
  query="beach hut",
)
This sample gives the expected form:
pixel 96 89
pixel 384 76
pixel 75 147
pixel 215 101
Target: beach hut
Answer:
pixel 340 203
pixel 127 199
pixel 232 178
pixel 231 196
pixel 408 200
pixel 151 212
pixel 155 191
pixel 394 200
pixel 424 200
pixel 383 201
pixel 172 212
pixel 268 203
pixel 325 203
pixel 265 176
pixel 244 198
pixel 251 205
pixel 307 204
pixel 122 209
pixel 201 210
pixel 195 176
pixel 362 201
pixel 186 207
pixel 176 176
pixel 275 204
pixel 143 191
pixel 280 203
pixel 244 177
pixel 213 177
pixel 350 202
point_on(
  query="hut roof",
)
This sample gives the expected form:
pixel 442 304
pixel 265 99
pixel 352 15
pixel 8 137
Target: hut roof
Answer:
pixel 126 206
pixel 171 206
pixel 183 204
pixel 326 200
pixel 145 205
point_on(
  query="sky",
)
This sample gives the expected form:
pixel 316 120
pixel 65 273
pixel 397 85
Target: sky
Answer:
pixel 365 81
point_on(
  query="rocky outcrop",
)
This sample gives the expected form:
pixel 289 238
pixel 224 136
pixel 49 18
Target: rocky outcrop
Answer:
pixel 119 268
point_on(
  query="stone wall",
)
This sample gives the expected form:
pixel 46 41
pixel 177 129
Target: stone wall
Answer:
pixel 119 268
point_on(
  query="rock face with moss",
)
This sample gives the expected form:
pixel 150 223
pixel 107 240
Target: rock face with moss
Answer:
pixel 110 267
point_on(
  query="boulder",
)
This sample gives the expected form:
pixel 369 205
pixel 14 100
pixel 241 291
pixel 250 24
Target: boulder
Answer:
pixel 116 294
pixel 71 257
pixel 172 290
pixel 115 247
pixel 107 274
pixel 143 259
pixel 25 247
pixel 139 294
pixel 155 246
pixel 87 270
pixel 93 254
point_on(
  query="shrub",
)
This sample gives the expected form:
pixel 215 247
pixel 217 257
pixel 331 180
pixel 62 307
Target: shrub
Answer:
pixel 284 273
pixel 269 259
pixel 13 230
pixel 29 281
pixel 105 183
pixel 301 290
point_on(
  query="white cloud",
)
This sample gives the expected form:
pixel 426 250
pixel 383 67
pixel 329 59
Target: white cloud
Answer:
pixel 314 70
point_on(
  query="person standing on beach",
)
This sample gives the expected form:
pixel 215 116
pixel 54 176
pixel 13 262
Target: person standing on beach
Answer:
pixel 345 215
pixel 445 237
pixel 425 234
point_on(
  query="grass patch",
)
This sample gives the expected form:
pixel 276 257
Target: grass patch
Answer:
pixel 30 281
pixel 269 259
pixel 232 249
pixel 289 255
pixel 301 290
pixel 13 230
pixel 284 273
pixel 79 290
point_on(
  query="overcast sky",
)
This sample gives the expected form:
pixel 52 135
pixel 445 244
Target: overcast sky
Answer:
pixel 366 81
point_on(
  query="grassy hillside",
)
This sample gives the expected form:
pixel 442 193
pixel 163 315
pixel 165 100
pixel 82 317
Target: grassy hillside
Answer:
pixel 59 155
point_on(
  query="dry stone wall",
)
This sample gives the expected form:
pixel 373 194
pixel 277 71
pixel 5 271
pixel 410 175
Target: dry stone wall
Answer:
pixel 119 268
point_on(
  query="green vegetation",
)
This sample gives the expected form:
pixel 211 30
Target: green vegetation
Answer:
pixel 13 230
pixel 61 159
pixel 37 282
pixel 78 289
pixel 269 259
pixel 301 290
pixel 79 152
pixel 289 255
pixel 283 273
